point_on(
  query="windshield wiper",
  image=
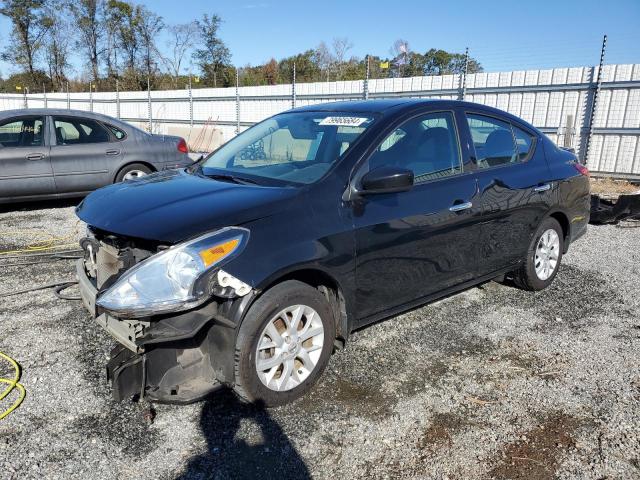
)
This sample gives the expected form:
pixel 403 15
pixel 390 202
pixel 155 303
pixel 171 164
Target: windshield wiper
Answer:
pixel 231 178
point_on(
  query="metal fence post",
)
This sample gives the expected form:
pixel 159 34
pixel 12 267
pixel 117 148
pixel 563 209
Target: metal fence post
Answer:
pixel 44 94
pixel 190 102
pixel 365 84
pixel 237 104
pixel 149 115
pixel 117 100
pixel 594 103
pixel 293 87
pixel 90 96
pixel 463 88
pixel 68 98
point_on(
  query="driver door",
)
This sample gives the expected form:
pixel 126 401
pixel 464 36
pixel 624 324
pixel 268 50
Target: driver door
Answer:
pixel 25 163
pixel 412 244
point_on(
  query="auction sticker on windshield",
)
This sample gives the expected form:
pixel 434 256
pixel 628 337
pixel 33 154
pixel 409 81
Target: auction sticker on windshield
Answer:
pixel 344 121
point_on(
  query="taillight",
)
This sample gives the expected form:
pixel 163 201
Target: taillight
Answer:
pixel 582 169
pixel 182 146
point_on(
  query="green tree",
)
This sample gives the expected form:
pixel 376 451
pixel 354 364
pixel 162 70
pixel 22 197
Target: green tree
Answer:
pixel 213 57
pixel 29 28
pixel 30 80
pixel 441 62
pixel 307 70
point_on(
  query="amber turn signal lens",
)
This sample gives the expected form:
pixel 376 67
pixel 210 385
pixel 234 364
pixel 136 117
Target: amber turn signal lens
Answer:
pixel 218 252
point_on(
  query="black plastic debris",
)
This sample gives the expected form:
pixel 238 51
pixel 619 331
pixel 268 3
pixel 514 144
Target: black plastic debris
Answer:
pixel 606 211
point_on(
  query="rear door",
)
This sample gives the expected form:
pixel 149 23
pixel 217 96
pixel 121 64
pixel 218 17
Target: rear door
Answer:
pixel 514 188
pixel 415 243
pixel 83 154
pixel 25 166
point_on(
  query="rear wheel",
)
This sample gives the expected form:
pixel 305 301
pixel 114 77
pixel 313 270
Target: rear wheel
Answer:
pixel 544 255
pixel 284 344
pixel 132 172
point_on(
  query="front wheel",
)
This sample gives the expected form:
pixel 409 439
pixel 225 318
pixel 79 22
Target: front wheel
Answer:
pixel 284 344
pixel 544 255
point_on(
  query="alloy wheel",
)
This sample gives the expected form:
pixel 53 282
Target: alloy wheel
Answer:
pixel 134 174
pixel 289 348
pixel 546 256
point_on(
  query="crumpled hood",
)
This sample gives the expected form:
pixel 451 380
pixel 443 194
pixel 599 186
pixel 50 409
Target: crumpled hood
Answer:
pixel 172 206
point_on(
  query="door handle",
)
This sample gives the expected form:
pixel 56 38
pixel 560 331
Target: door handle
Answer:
pixel 542 188
pixel 460 206
pixel 35 156
pixel 113 152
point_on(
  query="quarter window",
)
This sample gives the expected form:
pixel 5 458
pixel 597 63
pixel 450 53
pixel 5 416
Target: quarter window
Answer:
pixel 119 134
pixel 426 145
pixel 75 131
pixel 524 142
pixel 21 132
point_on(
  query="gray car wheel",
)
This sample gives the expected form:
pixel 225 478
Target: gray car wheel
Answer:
pixel 132 172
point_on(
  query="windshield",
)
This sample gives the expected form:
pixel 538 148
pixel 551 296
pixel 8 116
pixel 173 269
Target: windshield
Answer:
pixel 297 147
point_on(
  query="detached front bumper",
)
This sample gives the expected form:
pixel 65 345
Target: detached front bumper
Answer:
pixel 177 358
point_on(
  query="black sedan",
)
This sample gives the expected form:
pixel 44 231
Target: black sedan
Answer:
pixel 247 269
pixel 57 153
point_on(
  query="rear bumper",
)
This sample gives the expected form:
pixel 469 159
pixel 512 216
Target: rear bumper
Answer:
pixel 168 359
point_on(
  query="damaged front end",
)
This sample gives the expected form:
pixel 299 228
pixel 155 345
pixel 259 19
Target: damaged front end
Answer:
pixel 172 309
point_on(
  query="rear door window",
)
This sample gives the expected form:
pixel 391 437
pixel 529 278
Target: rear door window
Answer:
pixel 497 142
pixel 22 132
pixel 76 131
pixel 493 141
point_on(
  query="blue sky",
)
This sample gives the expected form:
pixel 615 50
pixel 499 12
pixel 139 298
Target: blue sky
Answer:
pixel 502 35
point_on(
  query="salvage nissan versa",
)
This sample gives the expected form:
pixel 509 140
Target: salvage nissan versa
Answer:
pixel 249 267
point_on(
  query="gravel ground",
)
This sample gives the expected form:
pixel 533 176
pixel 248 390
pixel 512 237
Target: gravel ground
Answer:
pixel 494 382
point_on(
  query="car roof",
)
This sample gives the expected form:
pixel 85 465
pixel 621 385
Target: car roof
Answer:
pixel 53 111
pixel 65 112
pixel 399 105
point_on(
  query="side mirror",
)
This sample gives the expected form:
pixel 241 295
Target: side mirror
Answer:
pixel 387 180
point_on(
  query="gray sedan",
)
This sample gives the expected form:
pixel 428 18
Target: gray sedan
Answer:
pixel 57 153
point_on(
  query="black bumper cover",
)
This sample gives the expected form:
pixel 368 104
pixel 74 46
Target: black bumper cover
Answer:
pixel 179 358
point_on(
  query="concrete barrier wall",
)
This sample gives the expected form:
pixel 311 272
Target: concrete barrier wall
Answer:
pixel 558 101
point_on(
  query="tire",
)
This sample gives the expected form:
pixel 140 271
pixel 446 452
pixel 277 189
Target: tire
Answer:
pixel 270 309
pixel 131 169
pixel 527 276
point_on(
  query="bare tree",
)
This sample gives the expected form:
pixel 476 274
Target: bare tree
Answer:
pixel 90 22
pixel 29 29
pixel 180 41
pixel 400 52
pixel 148 26
pixel 56 43
pixel 341 46
pixel 324 59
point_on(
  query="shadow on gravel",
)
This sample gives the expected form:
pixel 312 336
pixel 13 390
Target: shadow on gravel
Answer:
pixel 39 205
pixel 269 453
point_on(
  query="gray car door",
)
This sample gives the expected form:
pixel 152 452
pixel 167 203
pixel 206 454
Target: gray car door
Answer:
pixel 82 154
pixel 25 165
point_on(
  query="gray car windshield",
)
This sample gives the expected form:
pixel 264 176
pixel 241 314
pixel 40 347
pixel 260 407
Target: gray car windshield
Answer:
pixel 297 147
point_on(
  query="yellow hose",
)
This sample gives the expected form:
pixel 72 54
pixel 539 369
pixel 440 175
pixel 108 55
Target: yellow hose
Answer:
pixel 12 384
pixel 45 240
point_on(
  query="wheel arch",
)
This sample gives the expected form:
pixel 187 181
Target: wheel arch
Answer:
pixel 330 288
pixel 563 220
pixel 147 164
